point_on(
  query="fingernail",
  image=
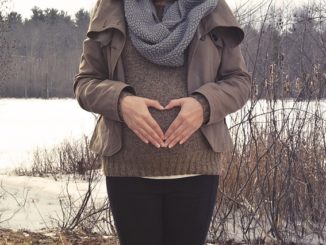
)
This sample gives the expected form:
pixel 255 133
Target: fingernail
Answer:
pixel 162 107
pixel 158 145
pixel 170 146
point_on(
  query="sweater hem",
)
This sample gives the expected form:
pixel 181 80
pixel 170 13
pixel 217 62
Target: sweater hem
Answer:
pixel 196 162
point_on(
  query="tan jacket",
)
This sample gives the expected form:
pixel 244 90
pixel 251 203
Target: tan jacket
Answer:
pixel 215 68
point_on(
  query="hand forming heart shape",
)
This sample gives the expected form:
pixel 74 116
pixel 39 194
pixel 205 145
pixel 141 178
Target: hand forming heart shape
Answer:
pixel 138 118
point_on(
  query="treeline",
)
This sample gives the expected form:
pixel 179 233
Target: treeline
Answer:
pixel 44 53
pixel 4 45
pixel 285 50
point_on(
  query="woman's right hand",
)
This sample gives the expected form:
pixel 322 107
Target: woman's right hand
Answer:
pixel 135 113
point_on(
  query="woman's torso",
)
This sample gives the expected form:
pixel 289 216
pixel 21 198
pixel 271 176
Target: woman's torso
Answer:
pixel 162 83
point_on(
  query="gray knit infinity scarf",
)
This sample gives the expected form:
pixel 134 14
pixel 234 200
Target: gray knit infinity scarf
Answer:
pixel 164 42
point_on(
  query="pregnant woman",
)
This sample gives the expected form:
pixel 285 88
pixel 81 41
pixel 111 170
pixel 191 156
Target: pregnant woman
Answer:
pixel 162 75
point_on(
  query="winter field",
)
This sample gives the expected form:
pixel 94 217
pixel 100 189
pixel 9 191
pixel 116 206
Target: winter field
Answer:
pixel 27 124
pixel 30 123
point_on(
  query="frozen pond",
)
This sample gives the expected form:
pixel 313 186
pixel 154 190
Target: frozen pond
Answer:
pixel 29 123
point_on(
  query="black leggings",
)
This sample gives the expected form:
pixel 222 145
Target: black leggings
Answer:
pixel 162 211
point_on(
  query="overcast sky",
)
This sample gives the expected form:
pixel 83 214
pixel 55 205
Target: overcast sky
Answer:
pixel 72 6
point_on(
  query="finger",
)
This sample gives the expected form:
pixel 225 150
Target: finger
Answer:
pixel 186 137
pixel 177 139
pixel 154 125
pixel 141 136
pixel 173 103
pixel 174 125
pixel 177 135
pixel 154 103
pixel 150 135
pixel 174 134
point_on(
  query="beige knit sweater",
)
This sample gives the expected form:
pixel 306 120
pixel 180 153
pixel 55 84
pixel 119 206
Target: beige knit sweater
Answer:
pixel 136 158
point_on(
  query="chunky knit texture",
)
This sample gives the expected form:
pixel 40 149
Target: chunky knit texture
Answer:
pixel 164 41
pixel 136 158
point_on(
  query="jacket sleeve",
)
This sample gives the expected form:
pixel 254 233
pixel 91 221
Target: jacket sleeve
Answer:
pixel 232 87
pixel 94 91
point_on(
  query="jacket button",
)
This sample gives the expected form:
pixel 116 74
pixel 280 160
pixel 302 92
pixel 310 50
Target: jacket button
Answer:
pixel 203 38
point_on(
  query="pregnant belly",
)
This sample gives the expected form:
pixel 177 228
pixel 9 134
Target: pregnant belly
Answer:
pixel 164 118
pixel 132 143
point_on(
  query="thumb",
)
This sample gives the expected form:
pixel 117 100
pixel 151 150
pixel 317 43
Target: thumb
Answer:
pixel 154 103
pixel 173 103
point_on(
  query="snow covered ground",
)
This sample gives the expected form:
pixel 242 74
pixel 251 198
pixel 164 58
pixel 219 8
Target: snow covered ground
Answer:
pixel 26 124
pixel 32 202
pixel 29 123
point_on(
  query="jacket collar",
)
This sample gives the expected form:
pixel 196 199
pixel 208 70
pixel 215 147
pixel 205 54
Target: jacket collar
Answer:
pixel 110 14
pixel 107 14
pixel 224 23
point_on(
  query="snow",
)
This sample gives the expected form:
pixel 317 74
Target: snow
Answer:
pixel 32 202
pixel 29 123
pixel 42 203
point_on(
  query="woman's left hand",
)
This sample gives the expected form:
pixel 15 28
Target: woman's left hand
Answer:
pixel 189 119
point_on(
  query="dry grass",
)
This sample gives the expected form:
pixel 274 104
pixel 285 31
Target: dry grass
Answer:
pixel 273 183
pixel 24 237
pixel 69 157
